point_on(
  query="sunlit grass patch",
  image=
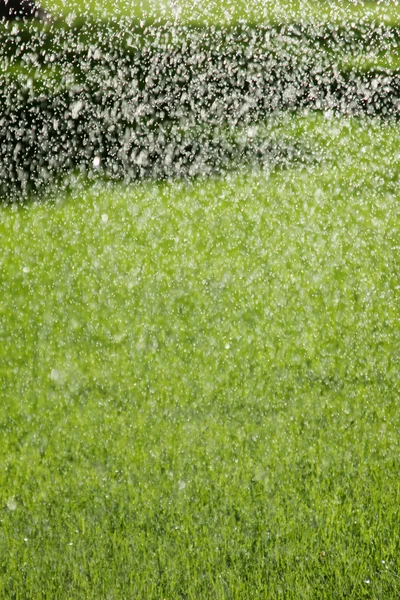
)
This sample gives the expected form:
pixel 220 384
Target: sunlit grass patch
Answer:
pixel 228 13
pixel 200 381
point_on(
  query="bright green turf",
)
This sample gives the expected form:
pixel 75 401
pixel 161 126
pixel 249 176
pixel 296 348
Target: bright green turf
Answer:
pixel 200 383
pixel 229 11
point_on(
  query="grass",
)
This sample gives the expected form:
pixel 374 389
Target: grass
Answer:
pixel 227 12
pixel 200 381
pixel 128 94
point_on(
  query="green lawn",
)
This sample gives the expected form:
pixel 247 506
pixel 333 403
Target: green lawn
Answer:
pixel 200 381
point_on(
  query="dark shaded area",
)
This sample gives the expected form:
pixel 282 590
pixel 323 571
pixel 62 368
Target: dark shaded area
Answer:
pixel 11 10
pixel 162 101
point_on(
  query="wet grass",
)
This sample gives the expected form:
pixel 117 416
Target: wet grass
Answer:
pixel 146 101
pixel 228 13
pixel 200 382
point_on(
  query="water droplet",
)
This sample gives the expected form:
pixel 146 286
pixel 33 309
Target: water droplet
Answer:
pixel 55 375
pixel 11 504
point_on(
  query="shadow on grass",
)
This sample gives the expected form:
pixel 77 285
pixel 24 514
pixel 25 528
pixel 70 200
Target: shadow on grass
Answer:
pixel 156 101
